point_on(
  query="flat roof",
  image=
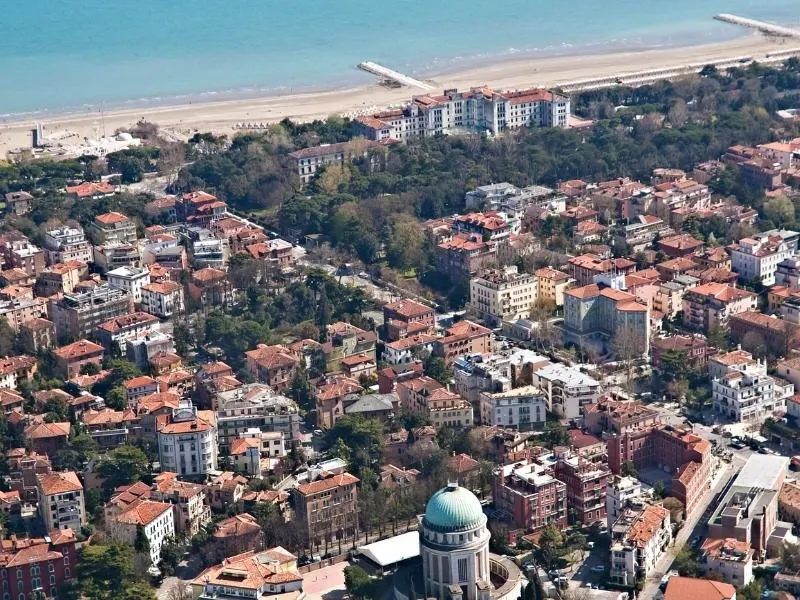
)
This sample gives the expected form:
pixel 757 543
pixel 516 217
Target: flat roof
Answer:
pixel 762 471
pixel 392 550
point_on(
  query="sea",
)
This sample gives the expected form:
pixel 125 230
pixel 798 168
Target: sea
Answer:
pixel 60 56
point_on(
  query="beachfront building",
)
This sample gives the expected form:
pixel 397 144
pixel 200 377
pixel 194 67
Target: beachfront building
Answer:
pixel 477 110
pixel 308 160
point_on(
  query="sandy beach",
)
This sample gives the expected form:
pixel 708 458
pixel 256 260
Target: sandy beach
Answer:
pixel 220 117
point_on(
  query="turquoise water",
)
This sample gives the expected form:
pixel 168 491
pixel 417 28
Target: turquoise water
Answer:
pixel 69 54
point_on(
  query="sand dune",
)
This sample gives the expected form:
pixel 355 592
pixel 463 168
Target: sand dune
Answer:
pixel 220 116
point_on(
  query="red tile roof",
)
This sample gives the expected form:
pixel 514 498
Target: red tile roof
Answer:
pixel 59 483
pixel 322 485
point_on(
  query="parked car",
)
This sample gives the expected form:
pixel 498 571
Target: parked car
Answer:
pixel 598 569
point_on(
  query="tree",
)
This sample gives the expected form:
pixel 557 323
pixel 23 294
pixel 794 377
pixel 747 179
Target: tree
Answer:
pixel 751 591
pixel 779 209
pixel 790 557
pixel 629 470
pixel 555 434
pixel 551 543
pixel 142 543
pixel 357 582
pixel 686 562
pixel 658 490
pixel 674 363
pixel 405 243
pixel 104 570
pixel 137 590
pixel 436 368
pixel 171 555
pixel 8 338
pixel 718 337
pixel 301 389
pixel 179 591
pixel 115 398
pixel 123 465
pixel 675 508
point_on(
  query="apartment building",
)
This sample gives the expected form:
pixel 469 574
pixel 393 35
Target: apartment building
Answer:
pixel 78 315
pixel 71 358
pixel 273 365
pixel 254 406
pixel 16 370
pixel 610 415
pixel 510 199
pixel 61 501
pixel 60 278
pixel 668 299
pixel 19 311
pixel 130 279
pixel 621 491
pixel 586 483
pixel 210 287
pixel 606 317
pixel 586 267
pixel 443 408
pixel 730 559
pixel 275 254
pixel 22 254
pixel 138 388
pixel 529 495
pixel 332 395
pixel 748 512
pixel 684 193
pixel 65 244
pixel 328 508
pixel 163 299
pixel 116 332
pixel 746 394
pixel 756 258
pixel 407 317
pixel 499 295
pixel 712 304
pixel 113 227
pixel 463 338
pixel 124 521
pixel 18 203
pixel 477 110
pixel 639 538
pixel 113 255
pixel 523 408
pixel 408 348
pixel 624 198
pixel 464 254
pixel 346 341
pixel 568 390
pixel 39 566
pixel 308 161
pixel 552 285
pixel 187 440
pixel 679 452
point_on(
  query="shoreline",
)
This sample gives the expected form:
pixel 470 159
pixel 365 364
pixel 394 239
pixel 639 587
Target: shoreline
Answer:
pixel 184 118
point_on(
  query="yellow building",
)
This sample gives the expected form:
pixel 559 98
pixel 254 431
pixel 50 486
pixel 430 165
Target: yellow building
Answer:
pixel 552 285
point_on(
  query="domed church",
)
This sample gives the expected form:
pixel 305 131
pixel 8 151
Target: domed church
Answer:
pixel 454 550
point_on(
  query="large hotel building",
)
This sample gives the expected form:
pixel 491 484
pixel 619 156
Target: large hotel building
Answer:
pixel 479 109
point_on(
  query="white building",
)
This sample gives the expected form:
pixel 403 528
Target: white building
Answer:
pixel 756 258
pixel 256 451
pixel 746 394
pixel 639 537
pixel 478 110
pixel 509 198
pixel 503 295
pixel 163 299
pixel 254 406
pixel 619 492
pixel 454 545
pixel 155 518
pixel 61 501
pixel 523 408
pixel 130 279
pixel 187 441
pixel 568 390
pixel 65 244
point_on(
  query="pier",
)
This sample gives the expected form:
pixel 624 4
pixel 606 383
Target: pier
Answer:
pixel 762 26
pixel 393 76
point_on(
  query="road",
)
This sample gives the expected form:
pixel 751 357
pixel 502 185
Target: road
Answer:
pixel 693 527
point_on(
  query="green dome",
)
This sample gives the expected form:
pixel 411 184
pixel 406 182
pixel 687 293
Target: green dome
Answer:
pixel 453 508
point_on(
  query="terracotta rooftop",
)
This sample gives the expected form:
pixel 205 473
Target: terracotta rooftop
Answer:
pixel 59 483
pixel 242 445
pixel 12 364
pixel 689 588
pixel 41 431
pixel 241 524
pixel 90 188
pixel 408 309
pixel 322 485
pixel 111 218
pixel 143 512
pixel 163 288
pixel 252 570
pixel 135 382
pixel 130 320
pixel 77 350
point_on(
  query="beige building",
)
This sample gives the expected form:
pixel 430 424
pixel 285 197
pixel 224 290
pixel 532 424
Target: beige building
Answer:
pixel 730 559
pixel 552 285
pixel 503 295
pixel 61 501
pixel 713 303
pixel 444 408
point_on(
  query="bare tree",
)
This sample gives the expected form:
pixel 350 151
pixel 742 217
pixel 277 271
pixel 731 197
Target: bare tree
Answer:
pixel 627 346
pixel 179 591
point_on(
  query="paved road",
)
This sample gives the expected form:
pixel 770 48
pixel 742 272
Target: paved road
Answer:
pixel 694 526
